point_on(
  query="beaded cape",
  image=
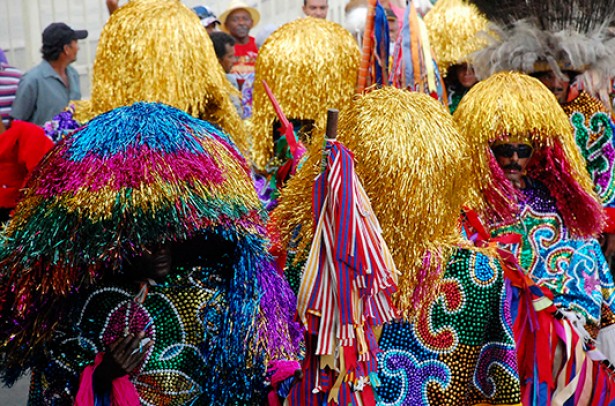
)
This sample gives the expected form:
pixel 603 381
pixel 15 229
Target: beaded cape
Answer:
pixel 133 178
pixel 593 131
pixel 573 269
pixel 461 351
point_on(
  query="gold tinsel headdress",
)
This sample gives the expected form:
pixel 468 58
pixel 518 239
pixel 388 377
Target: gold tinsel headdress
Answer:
pixel 453 26
pixel 514 106
pixel 415 170
pixel 158 51
pixel 311 65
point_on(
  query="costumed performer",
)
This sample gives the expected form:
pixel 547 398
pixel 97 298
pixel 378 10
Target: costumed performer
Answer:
pixel 530 181
pixel 135 270
pixel 454 343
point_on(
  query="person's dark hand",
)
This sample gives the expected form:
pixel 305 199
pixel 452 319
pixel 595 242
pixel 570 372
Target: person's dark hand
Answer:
pixel 122 357
pixel 112 5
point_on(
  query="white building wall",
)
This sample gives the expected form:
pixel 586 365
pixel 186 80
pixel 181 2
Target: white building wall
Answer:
pixel 22 22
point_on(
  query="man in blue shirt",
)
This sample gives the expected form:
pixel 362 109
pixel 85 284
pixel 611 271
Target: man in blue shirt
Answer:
pixel 47 89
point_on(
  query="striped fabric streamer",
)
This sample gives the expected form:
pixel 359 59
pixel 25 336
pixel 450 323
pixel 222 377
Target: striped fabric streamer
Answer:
pixel 414 66
pixel 348 282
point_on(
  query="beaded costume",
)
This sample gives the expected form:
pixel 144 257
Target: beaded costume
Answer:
pixel 130 179
pixel 551 227
pixel 453 343
pixel 573 269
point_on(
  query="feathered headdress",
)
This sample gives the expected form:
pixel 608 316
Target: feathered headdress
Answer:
pixel 453 26
pixel 130 179
pixel 538 35
pixel 158 51
pixel 311 65
pixel 514 106
pixel 414 169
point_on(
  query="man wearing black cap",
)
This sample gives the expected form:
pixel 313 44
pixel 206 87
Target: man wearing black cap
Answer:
pixel 46 89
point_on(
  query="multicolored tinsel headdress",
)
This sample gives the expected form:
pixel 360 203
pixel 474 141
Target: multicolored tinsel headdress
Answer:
pixel 158 51
pixel 311 65
pixel 130 179
pixel 415 170
pixel 539 35
pixel 513 106
pixel 453 26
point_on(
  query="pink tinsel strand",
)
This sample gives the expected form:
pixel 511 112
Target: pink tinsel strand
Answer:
pixel 583 215
pixel 64 175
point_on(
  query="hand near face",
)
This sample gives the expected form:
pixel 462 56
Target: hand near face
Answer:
pixel 122 357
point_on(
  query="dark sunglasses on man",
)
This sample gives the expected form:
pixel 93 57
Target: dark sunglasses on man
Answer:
pixel 508 150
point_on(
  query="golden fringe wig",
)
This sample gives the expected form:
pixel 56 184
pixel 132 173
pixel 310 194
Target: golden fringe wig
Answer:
pixel 415 170
pixel 311 65
pixel 453 26
pixel 514 106
pixel 158 51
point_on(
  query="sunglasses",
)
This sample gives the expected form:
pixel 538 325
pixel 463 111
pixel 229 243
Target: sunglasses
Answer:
pixel 507 150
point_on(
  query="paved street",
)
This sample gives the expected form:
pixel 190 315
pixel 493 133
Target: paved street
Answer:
pixel 15 396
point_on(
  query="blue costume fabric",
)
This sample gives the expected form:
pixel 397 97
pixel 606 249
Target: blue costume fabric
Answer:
pixel 573 269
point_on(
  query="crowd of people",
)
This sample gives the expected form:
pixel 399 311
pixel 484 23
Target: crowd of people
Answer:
pixel 415 208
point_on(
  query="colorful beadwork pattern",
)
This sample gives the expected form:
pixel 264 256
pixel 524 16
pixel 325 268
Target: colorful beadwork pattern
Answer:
pixel 181 366
pixel 461 351
pixel 573 269
pixel 593 129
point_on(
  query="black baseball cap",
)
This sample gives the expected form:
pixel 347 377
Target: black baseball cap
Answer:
pixel 60 34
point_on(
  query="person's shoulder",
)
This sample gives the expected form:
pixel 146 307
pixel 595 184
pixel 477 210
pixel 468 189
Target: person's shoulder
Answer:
pixel 35 72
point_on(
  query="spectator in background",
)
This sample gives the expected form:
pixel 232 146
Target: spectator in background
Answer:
pixel 46 89
pixel 9 80
pixel 224 46
pixel 238 20
pixel 3 57
pixel 316 8
pixel 207 17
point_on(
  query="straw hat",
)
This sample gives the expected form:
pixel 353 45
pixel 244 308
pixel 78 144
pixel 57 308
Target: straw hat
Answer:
pixel 238 5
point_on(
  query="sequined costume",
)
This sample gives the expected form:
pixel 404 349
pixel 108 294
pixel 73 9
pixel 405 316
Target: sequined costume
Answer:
pixel 574 269
pixel 461 351
pixel 555 222
pixel 593 129
pixel 133 178
pixel 453 343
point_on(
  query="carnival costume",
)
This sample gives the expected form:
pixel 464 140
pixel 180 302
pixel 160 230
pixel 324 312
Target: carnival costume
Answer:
pixel 131 179
pixel 555 221
pixel 310 64
pixel 128 69
pixel 454 27
pixel 563 37
pixel 454 342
